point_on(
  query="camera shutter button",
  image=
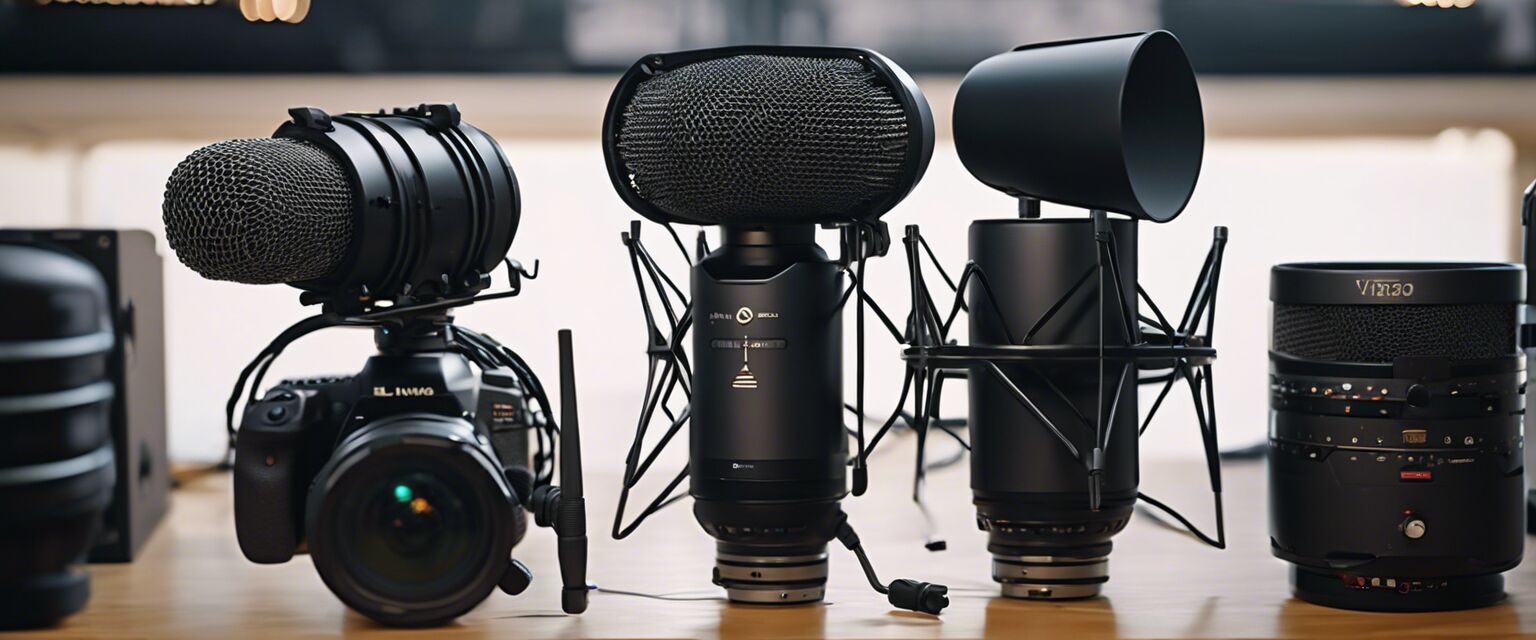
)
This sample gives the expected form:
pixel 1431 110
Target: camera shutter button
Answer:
pixel 277 413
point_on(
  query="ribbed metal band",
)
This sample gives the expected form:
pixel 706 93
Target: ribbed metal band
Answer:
pixel 772 579
pixel 1050 577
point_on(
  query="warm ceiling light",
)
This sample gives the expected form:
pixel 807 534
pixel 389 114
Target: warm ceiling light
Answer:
pixel 1441 4
pixel 290 11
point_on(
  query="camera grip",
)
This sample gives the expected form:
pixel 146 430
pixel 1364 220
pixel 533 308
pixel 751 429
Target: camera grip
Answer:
pixel 266 456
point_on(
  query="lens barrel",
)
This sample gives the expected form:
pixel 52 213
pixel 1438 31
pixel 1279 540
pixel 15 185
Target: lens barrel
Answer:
pixel 56 461
pixel 1396 452
pixel 1031 494
pixel 411 521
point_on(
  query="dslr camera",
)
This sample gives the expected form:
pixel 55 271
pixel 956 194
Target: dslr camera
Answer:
pixel 408 482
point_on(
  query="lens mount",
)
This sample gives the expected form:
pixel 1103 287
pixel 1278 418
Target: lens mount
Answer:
pixel 411 521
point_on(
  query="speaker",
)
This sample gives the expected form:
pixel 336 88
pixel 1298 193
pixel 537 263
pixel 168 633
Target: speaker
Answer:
pixel 128 262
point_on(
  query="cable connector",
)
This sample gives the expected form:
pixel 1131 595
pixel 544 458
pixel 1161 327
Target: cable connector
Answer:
pixel 923 597
pixel 912 595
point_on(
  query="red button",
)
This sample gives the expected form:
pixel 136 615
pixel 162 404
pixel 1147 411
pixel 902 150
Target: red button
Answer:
pixel 1415 475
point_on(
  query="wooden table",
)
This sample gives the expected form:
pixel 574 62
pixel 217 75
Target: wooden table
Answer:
pixel 193 583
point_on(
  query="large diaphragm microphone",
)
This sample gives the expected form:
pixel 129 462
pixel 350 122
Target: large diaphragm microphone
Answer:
pixel 1058 340
pixel 403 206
pixel 765 142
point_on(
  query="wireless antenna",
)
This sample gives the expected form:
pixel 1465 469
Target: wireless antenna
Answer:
pixel 571 528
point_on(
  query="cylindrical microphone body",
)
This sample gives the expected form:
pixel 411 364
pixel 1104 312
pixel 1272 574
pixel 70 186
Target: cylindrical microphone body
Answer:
pixel 1031 493
pixel 768 451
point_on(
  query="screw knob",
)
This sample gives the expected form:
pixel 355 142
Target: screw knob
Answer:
pixel 1414 527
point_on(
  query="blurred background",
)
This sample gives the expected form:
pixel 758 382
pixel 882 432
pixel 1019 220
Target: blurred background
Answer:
pixel 1337 129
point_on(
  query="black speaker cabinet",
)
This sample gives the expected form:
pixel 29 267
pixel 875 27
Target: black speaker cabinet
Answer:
pixel 131 267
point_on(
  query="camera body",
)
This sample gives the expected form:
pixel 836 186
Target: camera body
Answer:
pixel 406 483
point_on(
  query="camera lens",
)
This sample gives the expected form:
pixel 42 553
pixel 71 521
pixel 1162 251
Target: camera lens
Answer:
pixel 411 521
pixel 413 532
pixel 1396 454
pixel 56 461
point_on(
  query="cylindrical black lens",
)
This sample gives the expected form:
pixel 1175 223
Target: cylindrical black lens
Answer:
pixel 768 450
pixel 411 521
pixel 56 462
pixel 1396 455
pixel 1031 493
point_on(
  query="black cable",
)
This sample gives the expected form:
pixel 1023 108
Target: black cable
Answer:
pixel 1220 542
pixel 659 596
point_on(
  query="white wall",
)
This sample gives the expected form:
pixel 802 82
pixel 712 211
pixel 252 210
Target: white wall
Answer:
pixel 1449 197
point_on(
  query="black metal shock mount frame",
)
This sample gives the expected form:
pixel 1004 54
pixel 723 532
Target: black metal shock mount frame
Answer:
pixel 1156 351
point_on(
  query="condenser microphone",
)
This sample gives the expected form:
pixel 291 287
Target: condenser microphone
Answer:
pixel 766 143
pixel 403 206
pixel 1061 334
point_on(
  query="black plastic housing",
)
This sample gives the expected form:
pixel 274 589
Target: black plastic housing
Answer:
pixel 437 203
pixel 128 262
pixel 768 453
pixel 919 119
pixel 1111 123
pixel 1398 485
pixel 1041 508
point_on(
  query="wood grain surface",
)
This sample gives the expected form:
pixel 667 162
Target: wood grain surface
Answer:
pixel 193 583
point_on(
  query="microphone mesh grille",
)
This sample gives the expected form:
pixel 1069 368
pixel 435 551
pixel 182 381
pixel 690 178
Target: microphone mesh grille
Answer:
pixel 761 138
pixel 1381 333
pixel 259 211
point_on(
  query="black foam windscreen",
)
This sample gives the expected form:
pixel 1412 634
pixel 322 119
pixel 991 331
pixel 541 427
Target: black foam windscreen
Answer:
pixel 259 211
pixel 765 139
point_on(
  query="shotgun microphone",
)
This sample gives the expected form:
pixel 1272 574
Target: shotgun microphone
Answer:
pixel 404 206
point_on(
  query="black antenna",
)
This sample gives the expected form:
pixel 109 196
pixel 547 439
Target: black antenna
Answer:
pixel 571 529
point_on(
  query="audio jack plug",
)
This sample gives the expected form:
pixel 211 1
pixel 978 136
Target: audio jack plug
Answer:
pixel 912 595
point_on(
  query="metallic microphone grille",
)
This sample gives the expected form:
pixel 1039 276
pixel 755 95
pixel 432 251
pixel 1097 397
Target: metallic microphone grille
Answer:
pixel 259 211
pixel 764 138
